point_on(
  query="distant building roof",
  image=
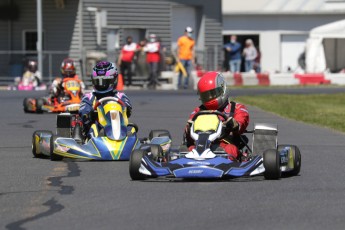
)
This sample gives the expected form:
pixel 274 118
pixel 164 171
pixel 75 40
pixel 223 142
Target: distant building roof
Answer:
pixel 282 6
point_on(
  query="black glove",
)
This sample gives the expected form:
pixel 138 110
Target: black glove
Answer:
pixel 129 112
pixel 231 124
pixel 89 118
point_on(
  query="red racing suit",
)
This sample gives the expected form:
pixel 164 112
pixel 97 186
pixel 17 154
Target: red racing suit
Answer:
pixel 231 142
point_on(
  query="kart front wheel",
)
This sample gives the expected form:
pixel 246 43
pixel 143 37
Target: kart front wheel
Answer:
pixel 297 160
pixel 135 163
pixel 36 136
pixel 272 164
pixel 53 156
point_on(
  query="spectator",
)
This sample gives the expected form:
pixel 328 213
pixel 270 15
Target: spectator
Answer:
pixel 185 54
pixel 141 67
pixel 257 61
pixel 126 59
pixel 249 53
pixel 233 48
pixel 152 50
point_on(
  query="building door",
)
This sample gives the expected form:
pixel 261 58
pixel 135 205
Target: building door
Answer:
pixel 292 46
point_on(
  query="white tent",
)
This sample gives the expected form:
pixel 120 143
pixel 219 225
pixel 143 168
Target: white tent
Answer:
pixel 325 48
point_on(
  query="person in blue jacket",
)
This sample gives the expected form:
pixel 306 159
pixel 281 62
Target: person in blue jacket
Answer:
pixel 233 49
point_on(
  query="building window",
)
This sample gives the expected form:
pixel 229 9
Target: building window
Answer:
pixel 30 40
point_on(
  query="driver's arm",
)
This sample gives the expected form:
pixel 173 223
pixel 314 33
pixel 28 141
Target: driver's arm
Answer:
pixel 241 116
pixel 85 110
pixel 128 103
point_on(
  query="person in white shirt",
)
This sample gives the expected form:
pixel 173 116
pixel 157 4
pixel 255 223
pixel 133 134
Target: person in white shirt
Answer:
pixel 249 53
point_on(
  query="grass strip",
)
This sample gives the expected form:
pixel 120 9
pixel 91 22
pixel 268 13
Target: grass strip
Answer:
pixel 326 110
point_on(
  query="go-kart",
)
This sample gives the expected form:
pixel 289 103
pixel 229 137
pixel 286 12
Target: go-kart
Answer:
pixel 27 85
pixel 114 137
pixel 68 102
pixel 205 162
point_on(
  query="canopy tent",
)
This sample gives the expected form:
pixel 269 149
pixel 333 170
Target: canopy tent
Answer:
pixel 325 48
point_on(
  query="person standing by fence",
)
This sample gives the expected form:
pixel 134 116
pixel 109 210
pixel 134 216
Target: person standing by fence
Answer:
pixel 152 50
pixel 185 52
pixel 126 59
pixel 233 49
pixel 249 53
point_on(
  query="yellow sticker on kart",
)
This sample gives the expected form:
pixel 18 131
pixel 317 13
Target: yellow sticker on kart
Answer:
pixel 72 85
pixel 207 122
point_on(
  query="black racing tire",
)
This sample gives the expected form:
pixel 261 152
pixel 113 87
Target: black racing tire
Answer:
pixel 39 105
pixel 272 164
pixel 33 144
pixel 25 105
pixel 53 156
pixel 159 133
pixel 156 150
pixel 134 164
pixel 297 160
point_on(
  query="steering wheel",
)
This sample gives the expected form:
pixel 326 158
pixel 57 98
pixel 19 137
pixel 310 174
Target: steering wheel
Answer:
pixel 106 99
pixel 215 112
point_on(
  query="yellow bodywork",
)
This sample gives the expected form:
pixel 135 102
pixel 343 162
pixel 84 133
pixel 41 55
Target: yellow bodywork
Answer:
pixel 111 106
pixel 208 122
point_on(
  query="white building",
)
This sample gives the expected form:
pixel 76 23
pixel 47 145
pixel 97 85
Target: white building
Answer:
pixel 278 27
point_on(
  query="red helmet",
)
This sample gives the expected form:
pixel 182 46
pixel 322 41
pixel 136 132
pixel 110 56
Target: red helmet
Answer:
pixel 67 68
pixel 212 90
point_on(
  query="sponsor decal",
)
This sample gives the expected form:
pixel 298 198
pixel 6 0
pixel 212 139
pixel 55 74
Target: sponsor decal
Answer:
pixel 198 163
pixel 195 171
pixel 62 148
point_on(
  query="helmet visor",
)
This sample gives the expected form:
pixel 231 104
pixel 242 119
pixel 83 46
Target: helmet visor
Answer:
pixel 211 94
pixel 102 83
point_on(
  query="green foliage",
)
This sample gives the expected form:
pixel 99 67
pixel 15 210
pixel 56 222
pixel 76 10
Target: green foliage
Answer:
pixel 325 110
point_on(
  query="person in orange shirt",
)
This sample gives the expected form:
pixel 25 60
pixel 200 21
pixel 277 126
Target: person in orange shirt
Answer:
pixel 185 52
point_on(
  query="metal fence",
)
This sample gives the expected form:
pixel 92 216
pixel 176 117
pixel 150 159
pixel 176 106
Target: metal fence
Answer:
pixel 12 63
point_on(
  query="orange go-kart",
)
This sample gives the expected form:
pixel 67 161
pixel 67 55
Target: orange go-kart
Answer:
pixel 68 102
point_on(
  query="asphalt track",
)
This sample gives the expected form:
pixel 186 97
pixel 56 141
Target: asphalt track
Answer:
pixel 40 194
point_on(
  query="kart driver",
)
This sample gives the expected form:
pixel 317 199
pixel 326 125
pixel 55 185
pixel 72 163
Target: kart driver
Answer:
pixel 32 75
pixel 214 95
pixel 68 70
pixel 104 80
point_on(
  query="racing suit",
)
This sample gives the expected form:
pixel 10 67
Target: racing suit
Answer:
pixel 88 102
pixel 231 143
pixel 57 90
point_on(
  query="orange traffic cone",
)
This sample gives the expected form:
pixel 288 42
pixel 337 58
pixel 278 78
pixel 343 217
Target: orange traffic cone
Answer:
pixel 120 83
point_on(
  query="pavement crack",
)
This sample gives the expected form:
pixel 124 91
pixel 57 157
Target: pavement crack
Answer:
pixel 52 203
pixel 53 207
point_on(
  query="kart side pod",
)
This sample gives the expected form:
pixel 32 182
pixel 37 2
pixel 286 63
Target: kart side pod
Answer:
pixel 264 137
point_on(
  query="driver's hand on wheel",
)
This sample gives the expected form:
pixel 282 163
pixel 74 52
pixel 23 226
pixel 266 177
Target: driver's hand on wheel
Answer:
pixel 231 124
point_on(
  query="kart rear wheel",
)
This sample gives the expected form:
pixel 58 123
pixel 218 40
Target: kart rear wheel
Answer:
pixel 53 156
pixel 39 105
pixel 26 105
pixel 272 164
pixel 159 133
pixel 135 163
pixel 297 159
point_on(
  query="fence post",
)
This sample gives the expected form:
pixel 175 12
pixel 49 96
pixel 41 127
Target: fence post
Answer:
pixel 50 68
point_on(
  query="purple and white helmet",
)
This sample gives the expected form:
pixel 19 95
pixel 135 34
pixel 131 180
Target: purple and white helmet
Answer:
pixel 104 77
